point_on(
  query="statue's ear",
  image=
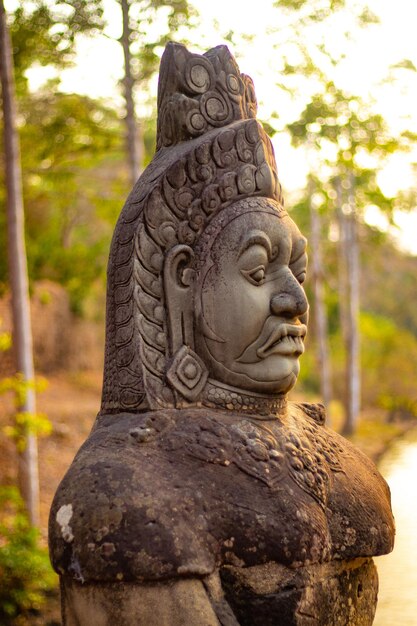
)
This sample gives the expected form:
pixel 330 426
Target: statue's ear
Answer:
pixel 187 372
pixel 178 279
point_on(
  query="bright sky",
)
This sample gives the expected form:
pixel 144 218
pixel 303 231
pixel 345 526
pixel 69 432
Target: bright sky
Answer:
pixel 363 72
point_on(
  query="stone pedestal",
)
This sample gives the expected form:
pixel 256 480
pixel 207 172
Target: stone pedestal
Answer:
pixel 343 593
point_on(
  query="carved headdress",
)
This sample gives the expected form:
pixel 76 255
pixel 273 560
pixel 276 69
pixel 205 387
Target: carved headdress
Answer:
pixel 211 152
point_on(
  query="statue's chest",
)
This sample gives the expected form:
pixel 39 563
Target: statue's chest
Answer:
pixel 261 487
pixel 280 457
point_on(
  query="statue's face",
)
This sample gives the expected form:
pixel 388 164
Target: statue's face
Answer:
pixel 252 307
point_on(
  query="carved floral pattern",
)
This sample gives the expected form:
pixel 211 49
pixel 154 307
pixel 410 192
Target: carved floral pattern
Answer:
pixel 269 451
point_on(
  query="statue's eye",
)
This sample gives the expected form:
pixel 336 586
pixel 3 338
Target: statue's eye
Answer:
pixel 255 276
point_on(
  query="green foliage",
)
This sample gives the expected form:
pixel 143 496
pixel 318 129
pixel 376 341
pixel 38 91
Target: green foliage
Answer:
pixel 405 64
pixel 20 387
pixel 25 422
pixel 309 380
pixel 43 33
pixel 72 147
pixel 348 142
pixel 306 54
pixel 69 144
pixel 74 178
pixel 26 575
pixel 25 572
pixel 389 283
pixel 5 341
pixel 389 363
pixel 343 119
pixel 311 11
pixel 388 327
pixel 343 135
pixel 147 41
pixel 399 407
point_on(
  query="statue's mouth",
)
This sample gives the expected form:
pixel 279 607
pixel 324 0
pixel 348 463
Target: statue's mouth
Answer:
pixel 286 339
pixel 275 338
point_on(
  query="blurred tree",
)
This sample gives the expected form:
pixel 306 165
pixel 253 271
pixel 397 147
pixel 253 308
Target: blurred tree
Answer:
pixel 73 179
pixel 141 59
pixel 307 61
pixel 395 298
pixel 73 174
pixel 22 332
pixel 389 362
pixel 312 38
pixel 44 33
pixel 350 144
pixel 320 313
pixel 72 155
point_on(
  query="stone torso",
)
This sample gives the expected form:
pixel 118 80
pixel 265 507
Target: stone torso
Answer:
pixel 178 488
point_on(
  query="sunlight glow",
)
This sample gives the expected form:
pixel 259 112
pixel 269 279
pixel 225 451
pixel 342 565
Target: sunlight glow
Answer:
pixel 399 467
pixel 260 33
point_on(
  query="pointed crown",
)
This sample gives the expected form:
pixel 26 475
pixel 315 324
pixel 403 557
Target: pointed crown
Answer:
pixel 197 93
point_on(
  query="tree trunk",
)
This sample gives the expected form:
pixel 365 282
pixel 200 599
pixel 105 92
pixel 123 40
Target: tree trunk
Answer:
pixel 349 304
pixel 342 282
pixel 134 143
pixel 22 333
pixel 320 307
pixel 353 347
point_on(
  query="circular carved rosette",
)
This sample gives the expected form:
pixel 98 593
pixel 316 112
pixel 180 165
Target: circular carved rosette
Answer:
pixel 216 109
pixel 195 123
pixel 234 85
pixel 198 75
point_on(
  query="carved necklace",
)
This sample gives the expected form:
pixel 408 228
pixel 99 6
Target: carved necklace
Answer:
pixel 221 396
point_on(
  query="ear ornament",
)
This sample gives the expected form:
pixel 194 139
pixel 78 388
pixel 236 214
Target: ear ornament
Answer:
pixel 187 373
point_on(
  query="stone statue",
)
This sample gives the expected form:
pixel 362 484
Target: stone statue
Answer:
pixel 203 497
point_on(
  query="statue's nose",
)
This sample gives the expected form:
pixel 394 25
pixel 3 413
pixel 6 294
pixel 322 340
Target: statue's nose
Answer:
pixel 290 303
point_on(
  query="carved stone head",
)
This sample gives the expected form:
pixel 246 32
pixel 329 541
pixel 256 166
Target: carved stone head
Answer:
pixel 205 302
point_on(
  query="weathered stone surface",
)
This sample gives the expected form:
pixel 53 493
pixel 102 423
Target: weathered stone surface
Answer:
pixel 332 594
pixel 339 592
pixel 206 489
pixel 202 496
pixel 131 604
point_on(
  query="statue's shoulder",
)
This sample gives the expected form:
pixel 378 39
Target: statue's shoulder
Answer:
pixel 116 514
pixel 315 411
pixel 358 501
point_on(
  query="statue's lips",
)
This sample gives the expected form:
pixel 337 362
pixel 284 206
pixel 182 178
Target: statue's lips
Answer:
pixel 275 338
pixel 287 340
